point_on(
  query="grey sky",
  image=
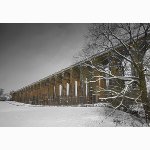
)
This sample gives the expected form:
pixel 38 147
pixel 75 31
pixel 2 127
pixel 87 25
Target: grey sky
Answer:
pixel 29 52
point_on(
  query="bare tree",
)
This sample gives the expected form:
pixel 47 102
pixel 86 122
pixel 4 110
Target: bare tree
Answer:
pixel 128 44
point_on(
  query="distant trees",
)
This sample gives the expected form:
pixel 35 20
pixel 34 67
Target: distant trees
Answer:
pixel 4 96
pixel 128 44
pixel 1 91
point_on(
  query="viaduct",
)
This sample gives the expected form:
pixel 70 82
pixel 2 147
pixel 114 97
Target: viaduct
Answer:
pixel 73 85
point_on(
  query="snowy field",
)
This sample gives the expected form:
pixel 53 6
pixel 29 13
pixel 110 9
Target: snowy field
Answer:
pixel 13 114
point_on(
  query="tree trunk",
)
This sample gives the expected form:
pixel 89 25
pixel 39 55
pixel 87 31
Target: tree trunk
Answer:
pixel 144 95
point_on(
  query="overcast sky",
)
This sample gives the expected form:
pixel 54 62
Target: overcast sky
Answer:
pixel 29 52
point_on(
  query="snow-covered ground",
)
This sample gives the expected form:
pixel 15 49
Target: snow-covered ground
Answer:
pixel 19 114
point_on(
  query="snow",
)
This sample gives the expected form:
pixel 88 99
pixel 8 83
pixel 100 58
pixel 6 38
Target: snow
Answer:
pixel 14 114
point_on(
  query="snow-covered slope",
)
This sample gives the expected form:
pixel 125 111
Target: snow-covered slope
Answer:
pixel 19 114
